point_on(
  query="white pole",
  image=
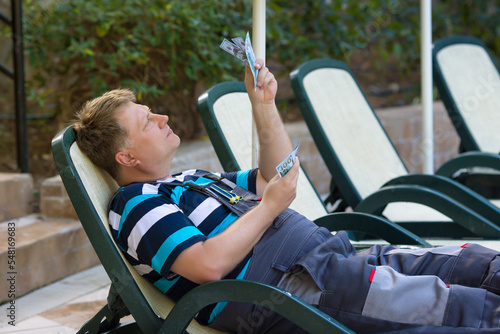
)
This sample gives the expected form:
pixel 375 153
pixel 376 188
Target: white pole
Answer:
pixel 259 29
pixel 259 48
pixel 426 85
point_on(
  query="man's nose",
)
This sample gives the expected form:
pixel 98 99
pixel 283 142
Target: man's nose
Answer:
pixel 161 120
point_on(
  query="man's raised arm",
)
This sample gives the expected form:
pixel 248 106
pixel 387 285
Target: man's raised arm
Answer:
pixel 274 143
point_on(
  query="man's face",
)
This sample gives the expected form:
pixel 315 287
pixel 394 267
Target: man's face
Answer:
pixel 151 141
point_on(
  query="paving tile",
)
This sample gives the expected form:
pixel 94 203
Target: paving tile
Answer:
pixel 36 325
pixel 57 294
pixel 74 315
pixel 62 307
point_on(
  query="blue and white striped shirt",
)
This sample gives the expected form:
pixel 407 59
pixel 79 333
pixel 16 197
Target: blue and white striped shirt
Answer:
pixel 154 222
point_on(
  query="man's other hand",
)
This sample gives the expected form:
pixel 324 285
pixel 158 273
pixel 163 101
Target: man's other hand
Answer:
pixel 281 191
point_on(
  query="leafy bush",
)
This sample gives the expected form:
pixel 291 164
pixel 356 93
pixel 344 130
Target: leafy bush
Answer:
pixel 163 50
pixel 168 51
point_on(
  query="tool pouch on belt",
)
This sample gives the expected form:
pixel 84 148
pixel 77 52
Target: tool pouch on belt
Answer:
pixel 238 200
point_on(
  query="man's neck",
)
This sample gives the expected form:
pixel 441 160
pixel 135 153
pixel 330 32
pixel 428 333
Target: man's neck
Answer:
pixel 127 177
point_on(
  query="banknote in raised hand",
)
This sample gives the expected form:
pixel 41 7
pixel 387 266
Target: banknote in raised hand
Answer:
pixel 251 59
pixel 286 164
pixel 239 42
pixel 234 49
pixel 242 49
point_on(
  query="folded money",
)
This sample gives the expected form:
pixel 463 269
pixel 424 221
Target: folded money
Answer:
pixel 251 59
pixel 289 161
pixel 234 50
pixel 242 49
pixel 239 42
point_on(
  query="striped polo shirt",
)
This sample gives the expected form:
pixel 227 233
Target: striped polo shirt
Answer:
pixel 154 222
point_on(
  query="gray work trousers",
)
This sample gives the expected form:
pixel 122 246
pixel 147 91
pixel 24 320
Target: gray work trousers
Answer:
pixel 382 290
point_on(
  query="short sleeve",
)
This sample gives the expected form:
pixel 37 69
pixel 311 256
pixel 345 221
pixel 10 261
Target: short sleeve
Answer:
pixel 245 179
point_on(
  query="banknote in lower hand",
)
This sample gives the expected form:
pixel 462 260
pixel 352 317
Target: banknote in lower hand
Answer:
pixel 289 161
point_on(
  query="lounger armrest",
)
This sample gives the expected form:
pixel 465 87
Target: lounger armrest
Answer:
pixel 372 225
pixel 459 213
pixel 478 171
pixel 469 160
pixel 294 309
pixel 455 190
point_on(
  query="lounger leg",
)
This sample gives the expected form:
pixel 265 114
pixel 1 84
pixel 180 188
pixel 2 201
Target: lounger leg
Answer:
pixel 107 320
pixel 97 325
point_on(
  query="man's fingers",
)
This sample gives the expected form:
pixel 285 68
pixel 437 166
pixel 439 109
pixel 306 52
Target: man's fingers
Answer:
pixel 259 63
pixel 265 77
pixel 294 171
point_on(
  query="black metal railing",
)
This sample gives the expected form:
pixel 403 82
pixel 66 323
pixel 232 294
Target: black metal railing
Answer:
pixel 17 74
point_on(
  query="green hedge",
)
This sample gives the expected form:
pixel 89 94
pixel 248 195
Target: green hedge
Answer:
pixel 168 51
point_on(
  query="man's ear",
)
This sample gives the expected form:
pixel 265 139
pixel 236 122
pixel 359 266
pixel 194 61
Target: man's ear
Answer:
pixel 125 158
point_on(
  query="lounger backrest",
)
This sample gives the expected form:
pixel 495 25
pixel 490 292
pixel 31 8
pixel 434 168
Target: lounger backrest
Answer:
pixel 232 112
pixel 230 116
pixel 351 127
pixel 473 83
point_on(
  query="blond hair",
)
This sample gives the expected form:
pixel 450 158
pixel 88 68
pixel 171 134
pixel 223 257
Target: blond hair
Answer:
pixel 99 133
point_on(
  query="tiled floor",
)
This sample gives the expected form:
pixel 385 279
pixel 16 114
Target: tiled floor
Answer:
pixel 60 308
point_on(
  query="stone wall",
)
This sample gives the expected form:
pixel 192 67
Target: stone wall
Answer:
pixel 404 127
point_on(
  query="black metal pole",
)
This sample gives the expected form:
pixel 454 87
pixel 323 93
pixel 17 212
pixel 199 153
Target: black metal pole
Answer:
pixel 20 96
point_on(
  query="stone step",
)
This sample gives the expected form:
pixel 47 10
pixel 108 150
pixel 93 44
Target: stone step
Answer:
pixel 40 251
pixel 54 200
pixel 16 195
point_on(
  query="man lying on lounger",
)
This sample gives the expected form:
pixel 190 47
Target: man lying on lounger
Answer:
pixel 193 227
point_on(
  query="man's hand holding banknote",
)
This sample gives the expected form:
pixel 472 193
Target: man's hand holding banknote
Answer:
pixel 242 49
